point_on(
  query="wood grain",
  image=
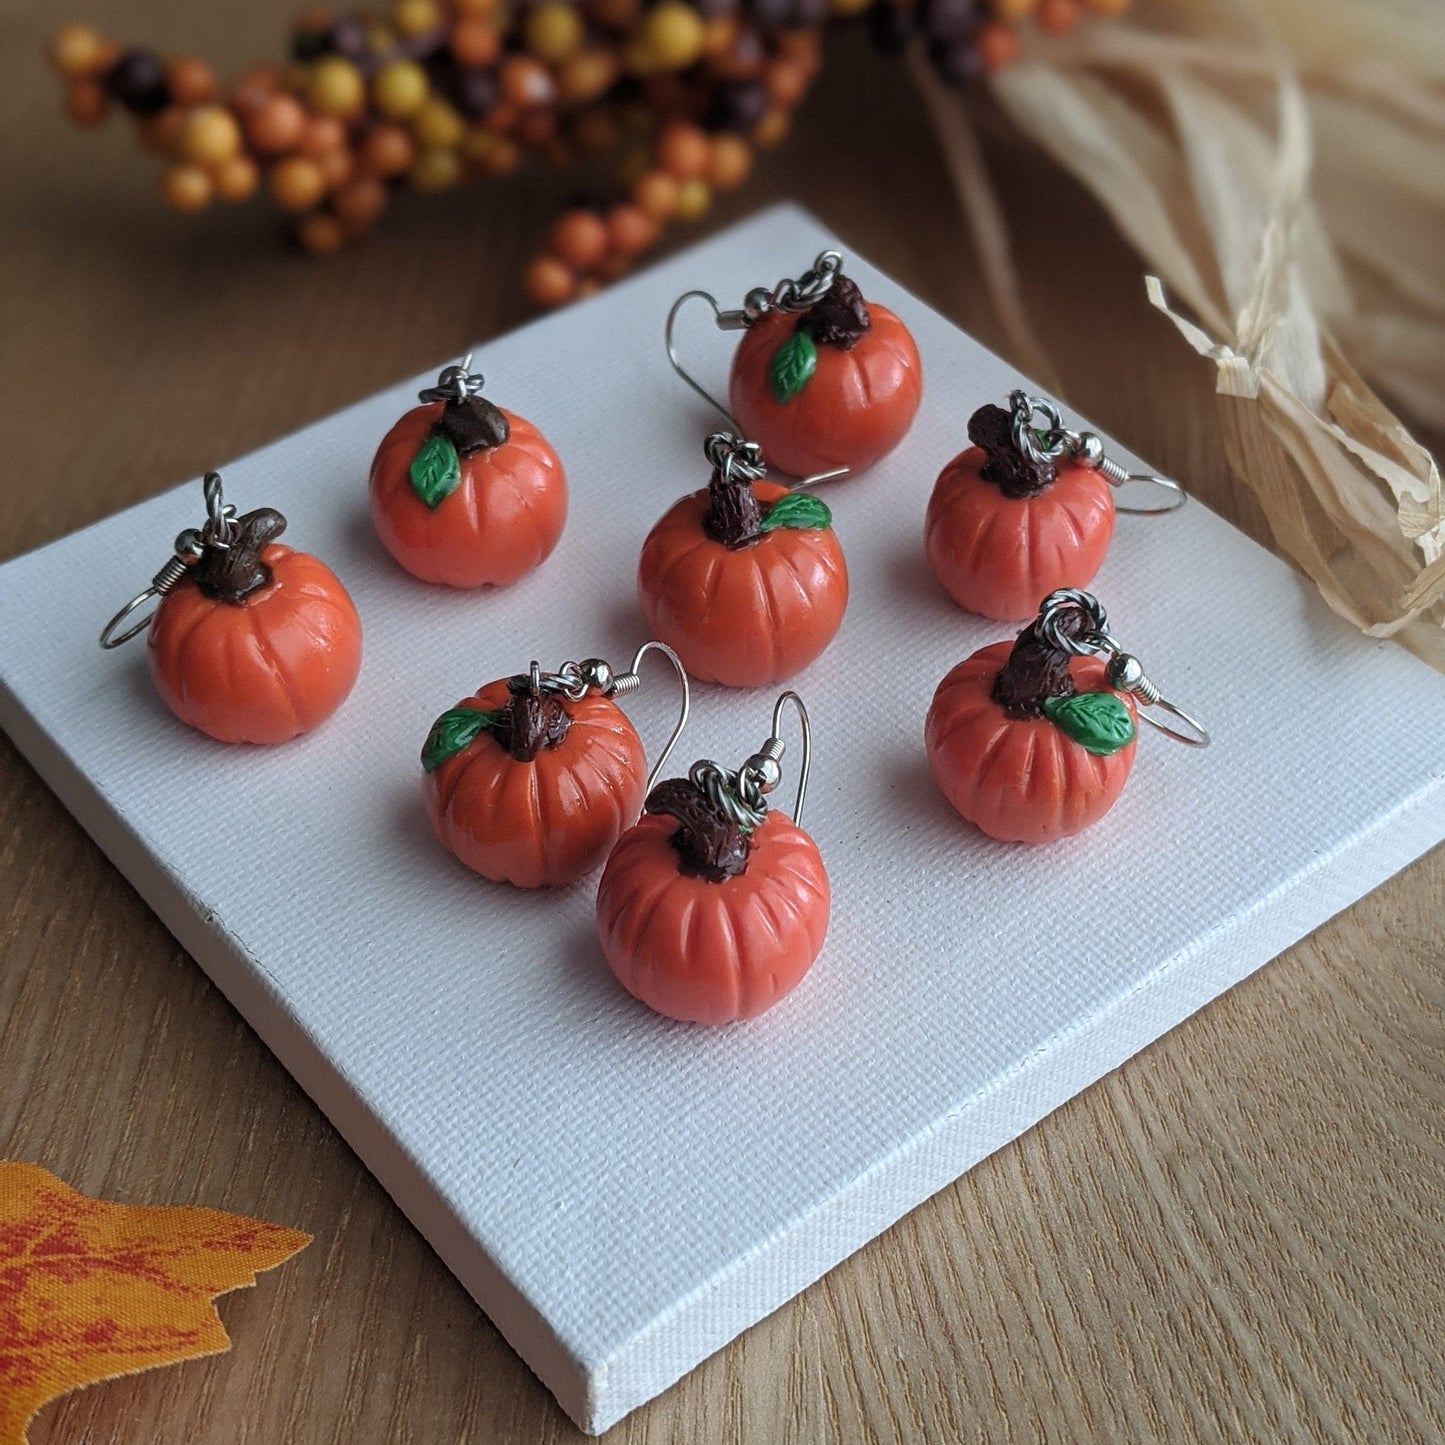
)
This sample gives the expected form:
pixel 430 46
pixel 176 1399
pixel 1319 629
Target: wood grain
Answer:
pixel 1237 1236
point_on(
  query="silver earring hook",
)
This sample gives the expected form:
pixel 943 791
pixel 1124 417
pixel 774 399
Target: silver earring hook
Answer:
pixel 218 532
pixel 806 728
pixel 1122 670
pixel 725 321
pixel 1043 446
pixel 683 711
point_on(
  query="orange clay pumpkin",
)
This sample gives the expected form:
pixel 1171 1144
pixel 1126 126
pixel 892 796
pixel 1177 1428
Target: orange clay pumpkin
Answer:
pixel 465 493
pixel 834 386
pixel 745 580
pixel 1003 532
pixel 255 643
pixel 704 923
pixel 1028 743
pixel 532 787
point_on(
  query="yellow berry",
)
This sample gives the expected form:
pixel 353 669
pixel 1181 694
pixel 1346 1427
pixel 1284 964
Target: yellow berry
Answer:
pixel 186 187
pixel 336 88
pixel 210 136
pixel 415 17
pixel 76 50
pixel 400 89
pixel 548 282
pixel 1014 12
pixel 553 31
pixel 437 126
pixel 436 170
pixel 693 199
pixel 730 162
pixel 672 35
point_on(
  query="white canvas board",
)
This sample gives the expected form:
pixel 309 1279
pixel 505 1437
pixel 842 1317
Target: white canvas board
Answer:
pixel 623 1195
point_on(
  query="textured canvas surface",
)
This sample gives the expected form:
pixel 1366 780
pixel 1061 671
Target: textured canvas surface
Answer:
pixel 621 1193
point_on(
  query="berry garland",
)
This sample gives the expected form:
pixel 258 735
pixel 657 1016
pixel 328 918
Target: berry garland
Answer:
pixel 431 93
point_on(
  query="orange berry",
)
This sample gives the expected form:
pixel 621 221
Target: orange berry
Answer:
pixel 323 133
pixel 190 81
pixel 770 129
pixel 998 44
pixel 548 282
pixel 732 159
pixel 387 151
pixel 258 81
pixel 475 41
pixel 236 179
pixel 786 82
pixel 693 199
pixel 526 82
pixel 537 128
pixel 656 194
pixel 209 136
pixel 501 118
pixel 1014 12
pixel 1058 16
pixel 358 203
pixel 297 183
pixel 76 51
pixel 683 151
pixel 186 187
pixel 277 125
pixel 588 74
pixel 321 234
pixel 1111 8
pixel 579 238
pixel 502 158
pixel 86 103
pixel 631 229
pixel 719 35
pixel 337 167
pixel 476 7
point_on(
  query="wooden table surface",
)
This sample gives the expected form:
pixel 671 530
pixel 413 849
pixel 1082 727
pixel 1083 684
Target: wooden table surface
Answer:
pixel 1236 1236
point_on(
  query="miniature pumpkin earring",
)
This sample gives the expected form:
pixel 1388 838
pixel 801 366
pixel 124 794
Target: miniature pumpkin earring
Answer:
pixel 712 907
pixel 823 380
pixel 466 493
pixel 744 579
pixel 1026 511
pixel 531 780
pixel 1033 740
pixel 252 642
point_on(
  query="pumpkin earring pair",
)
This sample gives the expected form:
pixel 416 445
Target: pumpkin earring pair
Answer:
pixel 1028 509
pixel 531 780
pixel 823 380
pixel 251 642
pixel 713 906
pixel 1032 741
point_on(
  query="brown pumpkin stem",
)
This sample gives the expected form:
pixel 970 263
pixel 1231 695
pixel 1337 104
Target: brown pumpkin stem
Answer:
pixel 1037 670
pixel 471 424
pixel 733 515
pixel 231 573
pixel 709 844
pixel 839 317
pixel 1009 469
pixel 530 721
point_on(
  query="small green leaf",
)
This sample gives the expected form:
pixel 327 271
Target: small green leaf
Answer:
pixel 793 363
pixel 436 471
pixel 797 510
pixel 454 730
pixel 1097 721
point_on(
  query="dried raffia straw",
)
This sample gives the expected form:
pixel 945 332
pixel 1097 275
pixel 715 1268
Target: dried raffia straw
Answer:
pixel 1289 196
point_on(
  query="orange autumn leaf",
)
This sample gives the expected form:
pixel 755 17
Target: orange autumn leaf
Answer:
pixel 90 1289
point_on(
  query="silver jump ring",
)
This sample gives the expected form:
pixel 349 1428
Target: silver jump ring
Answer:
pixel 1057 605
pixel 456 383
